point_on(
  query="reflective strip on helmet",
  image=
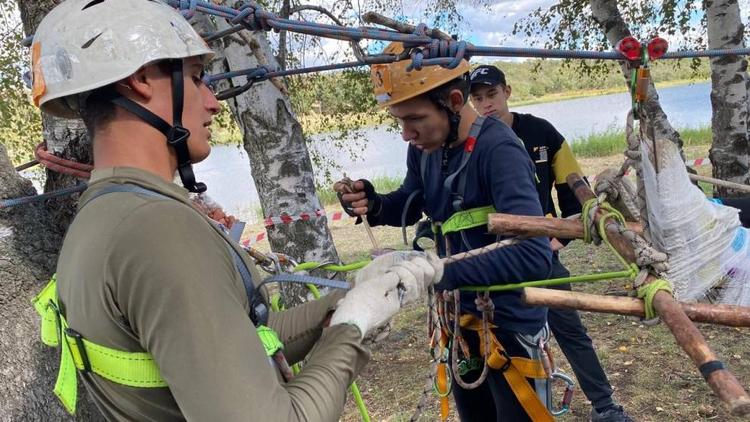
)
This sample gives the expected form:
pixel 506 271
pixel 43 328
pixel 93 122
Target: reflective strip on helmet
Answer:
pixel 38 88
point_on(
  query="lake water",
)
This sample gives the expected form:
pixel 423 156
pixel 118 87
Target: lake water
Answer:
pixel 227 170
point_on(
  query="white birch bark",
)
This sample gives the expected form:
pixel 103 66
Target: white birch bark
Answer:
pixel 729 94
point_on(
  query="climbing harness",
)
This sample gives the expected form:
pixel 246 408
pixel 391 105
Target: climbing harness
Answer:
pixel 451 356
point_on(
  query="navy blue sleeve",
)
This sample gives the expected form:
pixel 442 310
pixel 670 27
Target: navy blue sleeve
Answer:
pixel 393 203
pixel 510 175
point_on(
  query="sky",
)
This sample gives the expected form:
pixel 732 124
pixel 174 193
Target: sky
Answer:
pixel 480 26
pixel 491 27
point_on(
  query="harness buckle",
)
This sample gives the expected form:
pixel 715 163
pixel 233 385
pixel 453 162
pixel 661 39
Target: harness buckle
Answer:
pixel 69 332
pixel 507 363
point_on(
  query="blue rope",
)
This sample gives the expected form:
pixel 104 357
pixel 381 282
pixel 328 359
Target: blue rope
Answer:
pixel 12 202
pixel 440 52
pixel 187 8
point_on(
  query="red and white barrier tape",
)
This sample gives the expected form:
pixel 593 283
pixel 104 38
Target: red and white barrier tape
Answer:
pixel 305 216
pixel 698 162
pixel 339 215
pixel 287 219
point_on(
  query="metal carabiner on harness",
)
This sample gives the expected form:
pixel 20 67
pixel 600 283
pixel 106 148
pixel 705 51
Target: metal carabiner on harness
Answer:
pixel 567 395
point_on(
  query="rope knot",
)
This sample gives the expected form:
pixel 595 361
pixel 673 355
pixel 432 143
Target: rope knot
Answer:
pixel 446 53
pixel 485 305
pixel 252 17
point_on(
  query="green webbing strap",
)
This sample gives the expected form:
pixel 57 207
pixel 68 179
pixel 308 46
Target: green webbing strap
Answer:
pixel 647 293
pixel 270 340
pixel 133 369
pixel 50 328
pixel 467 219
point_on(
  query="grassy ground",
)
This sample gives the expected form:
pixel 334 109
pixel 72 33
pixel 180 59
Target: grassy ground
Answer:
pixel 652 377
pixel 612 142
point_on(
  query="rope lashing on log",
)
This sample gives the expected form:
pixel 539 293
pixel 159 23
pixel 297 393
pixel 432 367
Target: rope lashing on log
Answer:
pixel 721 381
pixel 645 254
pixel 647 293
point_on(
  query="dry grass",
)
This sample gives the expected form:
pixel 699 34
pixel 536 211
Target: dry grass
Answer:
pixel 652 377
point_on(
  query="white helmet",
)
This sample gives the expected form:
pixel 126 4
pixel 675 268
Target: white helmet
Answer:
pixel 82 45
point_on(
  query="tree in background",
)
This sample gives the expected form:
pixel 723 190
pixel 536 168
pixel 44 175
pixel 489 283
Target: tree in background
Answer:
pixel 581 24
pixel 31 235
pixel 729 95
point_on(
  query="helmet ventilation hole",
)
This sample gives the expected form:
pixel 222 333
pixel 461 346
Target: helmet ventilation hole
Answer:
pixel 93 3
pixel 88 43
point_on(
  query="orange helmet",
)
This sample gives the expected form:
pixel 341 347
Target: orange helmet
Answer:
pixel 394 84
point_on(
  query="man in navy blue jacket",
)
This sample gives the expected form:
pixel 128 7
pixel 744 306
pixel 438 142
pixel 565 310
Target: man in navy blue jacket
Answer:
pixel 459 164
pixel 554 161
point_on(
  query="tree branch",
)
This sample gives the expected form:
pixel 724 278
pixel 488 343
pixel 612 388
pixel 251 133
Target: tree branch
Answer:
pixel 378 19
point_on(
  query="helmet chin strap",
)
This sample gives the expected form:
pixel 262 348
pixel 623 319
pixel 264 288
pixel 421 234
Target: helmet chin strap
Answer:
pixel 177 135
pixel 454 120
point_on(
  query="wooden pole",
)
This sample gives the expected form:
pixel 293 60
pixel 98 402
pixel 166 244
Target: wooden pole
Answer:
pixel 529 226
pixel 721 381
pixel 718 182
pixel 732 316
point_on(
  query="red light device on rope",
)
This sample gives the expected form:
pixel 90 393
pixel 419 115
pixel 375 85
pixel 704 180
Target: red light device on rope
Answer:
pixel 639 55
pixel 657 47
pixel 630 48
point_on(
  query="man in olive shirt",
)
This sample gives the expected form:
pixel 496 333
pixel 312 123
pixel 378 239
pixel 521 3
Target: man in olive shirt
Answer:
pixel 144 274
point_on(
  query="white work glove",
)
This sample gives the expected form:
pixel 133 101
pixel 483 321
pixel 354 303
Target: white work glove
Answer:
pixel 385 263
pixel 369 304
pixel 382 287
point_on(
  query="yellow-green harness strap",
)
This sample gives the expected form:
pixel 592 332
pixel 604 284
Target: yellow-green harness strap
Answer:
pixel 467 219
pixel 134 369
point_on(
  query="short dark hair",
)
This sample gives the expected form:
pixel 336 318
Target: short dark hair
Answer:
pixel 97 109
pixel 440 94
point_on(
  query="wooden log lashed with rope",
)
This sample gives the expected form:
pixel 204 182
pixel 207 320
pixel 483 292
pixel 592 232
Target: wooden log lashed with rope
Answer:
pixel 532 226
pixel 728 315
pixel 688 337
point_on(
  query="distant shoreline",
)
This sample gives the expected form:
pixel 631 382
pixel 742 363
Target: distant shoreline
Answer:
pixel 571 95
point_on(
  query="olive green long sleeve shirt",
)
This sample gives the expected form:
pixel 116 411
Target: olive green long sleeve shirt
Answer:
pixel 139 273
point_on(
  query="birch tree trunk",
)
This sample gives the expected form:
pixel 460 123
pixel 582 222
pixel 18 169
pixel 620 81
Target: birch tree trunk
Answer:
pixel 607 14
pixel 30 239
pixel 729 95
pixel 274 142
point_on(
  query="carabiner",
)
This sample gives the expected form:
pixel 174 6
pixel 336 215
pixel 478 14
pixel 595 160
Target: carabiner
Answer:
pixel 567 395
